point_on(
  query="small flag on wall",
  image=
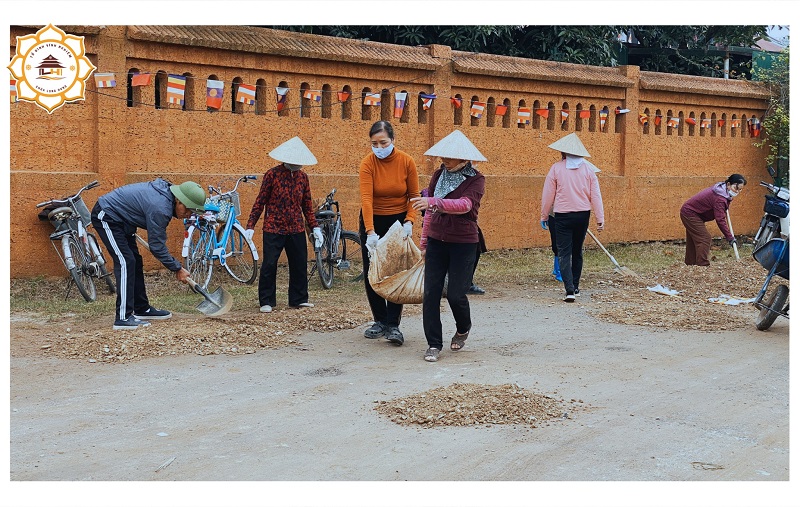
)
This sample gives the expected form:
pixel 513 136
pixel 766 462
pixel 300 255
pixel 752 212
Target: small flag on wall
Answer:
pixel 690 121
pixel 343 96
pixel 140 80
pixel 105 80
pixel 501 110
pixel 619 110
pixel 427 100
pixel 14 97
pixel 755 127
pixel 705 123
pixel 246 94
pixel 399 103
pixel 176 88
pixel 214 93
pixel 314 95
pixel 585 114
pixel 476 110
pixel 281 97
pixel 720 123
pixel 657 120
pixel 544 113
pixel 643 119
pixel 456 102
pixel 524 116
pixel 673 122
pixel 372 99
pixel 736 123
pixel 564 115
pixel 603 118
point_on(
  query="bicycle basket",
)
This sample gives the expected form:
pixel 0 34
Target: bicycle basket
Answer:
pixel 226 202
pixel 83 210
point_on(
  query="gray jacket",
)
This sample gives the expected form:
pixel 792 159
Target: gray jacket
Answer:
pixel 148 205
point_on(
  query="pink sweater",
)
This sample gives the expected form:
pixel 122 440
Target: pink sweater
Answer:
pixel 566 190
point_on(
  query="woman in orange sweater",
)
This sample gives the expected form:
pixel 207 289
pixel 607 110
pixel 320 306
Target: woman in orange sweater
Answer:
pixel 388 179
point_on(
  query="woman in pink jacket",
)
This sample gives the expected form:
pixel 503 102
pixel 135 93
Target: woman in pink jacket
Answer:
pixel 572 191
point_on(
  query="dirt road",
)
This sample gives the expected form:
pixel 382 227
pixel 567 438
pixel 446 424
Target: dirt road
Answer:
pixel 659 405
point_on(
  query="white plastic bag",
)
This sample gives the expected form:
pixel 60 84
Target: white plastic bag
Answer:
pixel 397 268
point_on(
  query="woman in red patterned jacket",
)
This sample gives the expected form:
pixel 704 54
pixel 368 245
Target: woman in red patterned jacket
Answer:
pixel 286 196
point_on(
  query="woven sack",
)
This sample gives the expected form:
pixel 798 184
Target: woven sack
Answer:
pixel 397 268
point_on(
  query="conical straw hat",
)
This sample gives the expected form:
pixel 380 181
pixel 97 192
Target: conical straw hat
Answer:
pixel 456 145
pixel 570 144
pixel 294 151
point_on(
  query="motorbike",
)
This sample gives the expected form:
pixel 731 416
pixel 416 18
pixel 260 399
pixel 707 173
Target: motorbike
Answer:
pixel 775 222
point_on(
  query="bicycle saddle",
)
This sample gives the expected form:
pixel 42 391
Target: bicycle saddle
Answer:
pixel 210 206
pixel 325 214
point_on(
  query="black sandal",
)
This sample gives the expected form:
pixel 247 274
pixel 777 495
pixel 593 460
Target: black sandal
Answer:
pixel 457 343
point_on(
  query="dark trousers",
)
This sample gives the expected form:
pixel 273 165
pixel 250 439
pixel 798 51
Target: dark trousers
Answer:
pixel 383 311
pixel 456 260
pixel 698 241
pixel 297 255
pixel 128 270
pixel 570 233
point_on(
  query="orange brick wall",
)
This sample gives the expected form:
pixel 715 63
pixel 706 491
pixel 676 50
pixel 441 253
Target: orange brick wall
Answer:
pixel 645 176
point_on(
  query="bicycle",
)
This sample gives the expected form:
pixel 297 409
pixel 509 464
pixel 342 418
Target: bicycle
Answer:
pixel 340 249
pixel 203 244
pixel 80 252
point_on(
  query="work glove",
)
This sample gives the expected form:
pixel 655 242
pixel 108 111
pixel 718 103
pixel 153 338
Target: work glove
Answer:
pixel 407 228
pixel 317 232
pixel 249 234
pixel 733 242
pixel 543 224
pixel 372 240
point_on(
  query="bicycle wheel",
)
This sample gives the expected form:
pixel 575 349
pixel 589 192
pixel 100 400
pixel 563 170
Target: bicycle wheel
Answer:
pixel 240 259
pixel 198 261
pixel 324 258
pixel 101 264
pixel 350 265
pixel 81 273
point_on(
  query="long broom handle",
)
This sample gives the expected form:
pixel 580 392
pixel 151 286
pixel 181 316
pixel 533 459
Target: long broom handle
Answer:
pixel 603 248
pixel 730 226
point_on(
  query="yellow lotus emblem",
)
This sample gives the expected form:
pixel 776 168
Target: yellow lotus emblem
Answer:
pixel 51 68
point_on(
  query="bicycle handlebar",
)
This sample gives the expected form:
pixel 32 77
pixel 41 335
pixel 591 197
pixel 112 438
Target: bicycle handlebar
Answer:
pixel 218 190
pixel 67 200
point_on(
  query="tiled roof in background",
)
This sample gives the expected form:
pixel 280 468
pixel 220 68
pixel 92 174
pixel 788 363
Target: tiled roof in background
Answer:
pixel 279 42
pixel 705 85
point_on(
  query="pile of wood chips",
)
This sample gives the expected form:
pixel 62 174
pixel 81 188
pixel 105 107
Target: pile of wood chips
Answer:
pixel 476 404
pixel 627 300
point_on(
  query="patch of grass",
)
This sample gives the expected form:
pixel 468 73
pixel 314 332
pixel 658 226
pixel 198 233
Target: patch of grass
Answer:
pixel 45 296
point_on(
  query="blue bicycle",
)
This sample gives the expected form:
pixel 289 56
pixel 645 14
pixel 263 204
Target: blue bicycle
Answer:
pixel 216 236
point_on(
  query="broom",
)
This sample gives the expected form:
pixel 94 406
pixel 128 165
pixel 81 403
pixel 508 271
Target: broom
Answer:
pixel 619 269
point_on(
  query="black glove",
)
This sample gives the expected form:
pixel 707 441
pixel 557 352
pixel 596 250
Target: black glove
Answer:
pixel 732 242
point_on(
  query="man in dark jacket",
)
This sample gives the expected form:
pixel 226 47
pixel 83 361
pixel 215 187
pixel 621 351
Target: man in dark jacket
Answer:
pixel 150 206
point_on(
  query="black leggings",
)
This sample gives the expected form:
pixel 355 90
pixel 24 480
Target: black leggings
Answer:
pixel 570 233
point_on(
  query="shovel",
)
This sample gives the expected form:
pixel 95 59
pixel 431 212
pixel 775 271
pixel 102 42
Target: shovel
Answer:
pixel 619 269
pixel 217 303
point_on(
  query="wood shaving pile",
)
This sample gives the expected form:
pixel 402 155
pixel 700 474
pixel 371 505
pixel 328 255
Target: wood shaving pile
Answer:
pixel 626 300
pixel 474 404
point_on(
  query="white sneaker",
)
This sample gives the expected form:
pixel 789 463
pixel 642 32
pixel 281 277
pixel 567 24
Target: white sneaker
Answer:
pixel 304 305
pixel 266 309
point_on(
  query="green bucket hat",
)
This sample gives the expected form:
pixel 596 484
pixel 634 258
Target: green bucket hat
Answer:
pixel 190 194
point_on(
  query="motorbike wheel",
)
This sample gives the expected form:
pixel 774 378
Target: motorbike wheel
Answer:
pixel 773 306
pixel 769 231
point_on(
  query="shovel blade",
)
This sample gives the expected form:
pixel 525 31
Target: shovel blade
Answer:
pixel 217 303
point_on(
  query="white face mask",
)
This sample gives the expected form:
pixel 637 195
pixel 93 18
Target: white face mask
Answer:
pixel 383 152
pixel 732 193
pixel 293 167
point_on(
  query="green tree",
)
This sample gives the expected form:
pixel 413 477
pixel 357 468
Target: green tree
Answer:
pixel 681 49
pixel 776 120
